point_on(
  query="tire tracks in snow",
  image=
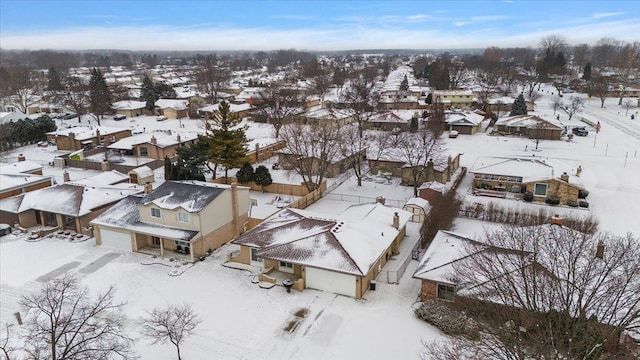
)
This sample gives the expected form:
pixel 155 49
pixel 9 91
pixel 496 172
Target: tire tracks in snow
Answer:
pixel 629 130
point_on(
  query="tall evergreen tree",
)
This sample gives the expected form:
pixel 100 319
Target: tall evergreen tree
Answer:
pixel 54 82
pixel 167 168
pixel 587 72
pixel 404 85
pixel 262 177
pixel 227 146
pixel 191 161
pixel 99 95
pixel 148 92
pixel 519 106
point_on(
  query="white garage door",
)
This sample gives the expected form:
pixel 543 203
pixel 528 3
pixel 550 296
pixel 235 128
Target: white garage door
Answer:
pixel 331 281
pixel 115 239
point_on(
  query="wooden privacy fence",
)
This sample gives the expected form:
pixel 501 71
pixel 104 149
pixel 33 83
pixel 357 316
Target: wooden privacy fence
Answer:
pixel 275 188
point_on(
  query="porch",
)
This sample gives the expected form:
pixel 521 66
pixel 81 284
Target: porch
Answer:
pixel 155 250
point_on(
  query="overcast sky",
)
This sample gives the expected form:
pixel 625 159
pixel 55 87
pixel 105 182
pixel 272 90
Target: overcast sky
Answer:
pixel 322 25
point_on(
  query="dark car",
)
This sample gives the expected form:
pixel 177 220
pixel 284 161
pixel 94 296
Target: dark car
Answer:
pixel 580 131
pixel 69 116
pixel 5 229
pixel 119 117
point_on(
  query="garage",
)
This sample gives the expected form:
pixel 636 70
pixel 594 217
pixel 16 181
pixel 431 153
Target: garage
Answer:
pixel 331 281
pixel 115 239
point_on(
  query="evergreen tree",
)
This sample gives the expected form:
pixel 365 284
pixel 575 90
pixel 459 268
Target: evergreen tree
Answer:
pixel 167 168
pixel 559 62
pixel 192 159
pixel 245 174
pixel 413 125
pixel 262 177
pixel 164 91
pixel 404 85
pixel 54 82
pixel 99 95
pixel 148 92
pixel 227 146
pixel 587 72
pixel 519 106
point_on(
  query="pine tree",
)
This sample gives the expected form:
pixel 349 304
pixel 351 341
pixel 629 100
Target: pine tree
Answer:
pixel 54 82
pixel 192 159
pixel 587 72
pixel 519 106
pixel 227 146
pixel 99 95
pixel 245 174
pixel 148 92
pixel 404 85
pixel 167 168
pixel 262 177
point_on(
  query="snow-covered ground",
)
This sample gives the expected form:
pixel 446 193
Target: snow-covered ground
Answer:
pixel 243 321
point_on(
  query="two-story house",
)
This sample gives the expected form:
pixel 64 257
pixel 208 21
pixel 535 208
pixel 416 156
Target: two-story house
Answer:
pixel 186 217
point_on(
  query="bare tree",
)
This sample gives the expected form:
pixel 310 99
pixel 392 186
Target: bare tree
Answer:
pixel 575 105
pixel 75 95
pixel 310 150
pixel 64 322
pixel 211 77
pixel 551 291
pixel 361 100
pixel 20 88
pixel 419 150
pixel 7 342
pixel 174 323
pixel 627 104
pixel 600 88
pixel 627 63
pixel 280 105
pixel 355 147
pixel 556 104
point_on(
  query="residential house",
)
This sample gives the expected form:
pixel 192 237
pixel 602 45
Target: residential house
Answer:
pixel 86 137
pixel 141 175
pixel 130 108
pixel 14 184
pixel 467 122
pixel 238 111
pixel 187 217
pixel 502 105
pixel 155 145
pixel 437 267
pixel 335 166
pixel 340 253
pixel 441 172
pixel 530 126
pixel 461 99
pixel 390 121
pixel 7 117
pixel 66 206
pixel 332 116
pixel 545 178
pixel 172 108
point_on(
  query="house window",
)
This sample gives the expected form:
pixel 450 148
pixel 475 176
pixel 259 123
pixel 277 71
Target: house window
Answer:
pixel 255 257
pixel 144 151
pixel 540 190
pixel 284 264
pixel 155 241
pixel 183 217
pixel 446 292
pixel 155 212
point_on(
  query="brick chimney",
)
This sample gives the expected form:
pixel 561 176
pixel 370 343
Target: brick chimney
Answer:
pixel 556 220
pixel 148 188
pixel 258 153
pixel 396 221
pixel 380 200
pixel 65 176
pixel 564 177
pixel 579 171
pixel 21 157
pixel 178 138
pixel 98 137
pixel 154 141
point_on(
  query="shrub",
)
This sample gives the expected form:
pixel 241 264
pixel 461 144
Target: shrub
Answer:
pixel 584 204
pixel 572 203
pixel 245 174
pixel 528 196
pixel 450 321
pixel 552 201
pixel 582 194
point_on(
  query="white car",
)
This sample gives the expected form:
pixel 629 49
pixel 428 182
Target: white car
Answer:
pixel 161 118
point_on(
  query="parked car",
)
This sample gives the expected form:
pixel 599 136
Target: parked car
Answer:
pixel 68 116
pixel 161 118
pixel 580 131
pixel 5 229
pixel 453 134
pixel 119 117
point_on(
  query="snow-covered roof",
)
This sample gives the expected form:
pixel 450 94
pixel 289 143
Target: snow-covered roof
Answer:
pixel 467 118
pixel 162 139
pixel 437 262
pixel 349 242
pixel 233 108
pixel 506 100
pixel 387 117
pixel 68 199
pixel 142 171
pixel 16 181
pixel 104 178
pixel 87 132
pixel 126 214
pixel 128 105
pixel 530 169
pixel 528 121
pixel 172 103
pixel 419 202
pixel 192 196
pixel 20 167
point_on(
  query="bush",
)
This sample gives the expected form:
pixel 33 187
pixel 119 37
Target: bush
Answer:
pixel 528 196
pixel 552 201
pixel 572 203
pixel 584 204
pixel 582 194
pixel 448 320
pixel 245 174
